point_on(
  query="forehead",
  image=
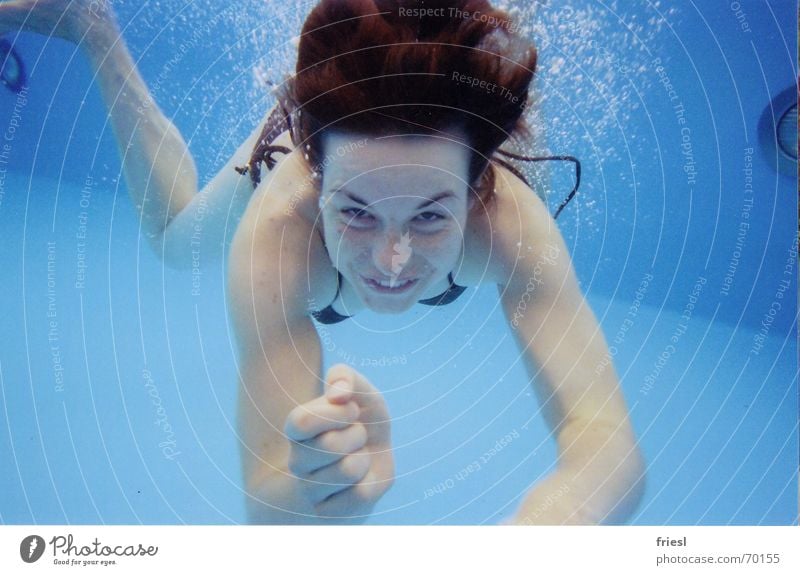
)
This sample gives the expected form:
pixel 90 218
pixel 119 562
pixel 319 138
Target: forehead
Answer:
pixel 408 164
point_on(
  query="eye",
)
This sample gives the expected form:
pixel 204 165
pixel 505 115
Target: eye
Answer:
pixel 427 217
pixel 356 214
pixel 357 219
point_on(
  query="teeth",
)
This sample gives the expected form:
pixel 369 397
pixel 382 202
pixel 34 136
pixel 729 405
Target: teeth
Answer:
pixel 390 284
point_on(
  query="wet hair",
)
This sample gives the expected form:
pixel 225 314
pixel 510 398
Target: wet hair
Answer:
pixel 379 67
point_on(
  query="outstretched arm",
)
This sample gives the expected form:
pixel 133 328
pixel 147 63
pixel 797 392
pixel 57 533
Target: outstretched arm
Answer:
pixel 158 168
pixel 599 477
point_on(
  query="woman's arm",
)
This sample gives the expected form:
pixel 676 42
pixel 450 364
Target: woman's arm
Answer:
pixel 158 167
pixel 600 472
pixel 310 454
pixel 280 361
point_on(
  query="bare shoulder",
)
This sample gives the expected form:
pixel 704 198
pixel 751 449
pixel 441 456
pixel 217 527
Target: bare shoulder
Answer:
pixel 278 264
pixel 516 228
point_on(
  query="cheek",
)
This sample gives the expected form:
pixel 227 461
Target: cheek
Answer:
pixel 445 245
pixel 345 243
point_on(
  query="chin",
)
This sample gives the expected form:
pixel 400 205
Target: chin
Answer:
pixel 387 305
pixel 392 309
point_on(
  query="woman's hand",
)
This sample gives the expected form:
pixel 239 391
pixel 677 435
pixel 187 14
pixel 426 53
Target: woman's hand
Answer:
pixel 340 446
pixel 68 19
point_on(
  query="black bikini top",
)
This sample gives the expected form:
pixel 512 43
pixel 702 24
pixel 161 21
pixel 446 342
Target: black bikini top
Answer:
pixel 329 315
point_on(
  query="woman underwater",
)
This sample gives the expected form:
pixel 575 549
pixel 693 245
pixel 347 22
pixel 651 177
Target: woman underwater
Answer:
pixel 383 188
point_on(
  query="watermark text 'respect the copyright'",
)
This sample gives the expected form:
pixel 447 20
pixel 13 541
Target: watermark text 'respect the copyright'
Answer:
pixel 457 13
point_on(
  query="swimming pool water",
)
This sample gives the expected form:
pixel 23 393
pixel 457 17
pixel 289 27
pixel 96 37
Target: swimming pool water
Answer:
pixel 140 424
pixel 118 377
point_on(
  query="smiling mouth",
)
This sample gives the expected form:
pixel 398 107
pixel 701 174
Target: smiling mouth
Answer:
pixel 388 286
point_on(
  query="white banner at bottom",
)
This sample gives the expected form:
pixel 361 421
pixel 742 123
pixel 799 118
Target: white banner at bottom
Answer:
pixel 353 550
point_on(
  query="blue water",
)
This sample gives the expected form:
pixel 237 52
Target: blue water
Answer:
pixel 118 377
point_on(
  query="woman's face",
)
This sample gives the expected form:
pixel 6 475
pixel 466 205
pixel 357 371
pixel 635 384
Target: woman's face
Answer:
pixel 394 210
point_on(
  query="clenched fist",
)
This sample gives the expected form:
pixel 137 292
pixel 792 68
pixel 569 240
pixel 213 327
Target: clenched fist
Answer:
pixel 340 448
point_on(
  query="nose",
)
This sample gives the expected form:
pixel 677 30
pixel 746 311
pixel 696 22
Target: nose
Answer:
pixel 384 253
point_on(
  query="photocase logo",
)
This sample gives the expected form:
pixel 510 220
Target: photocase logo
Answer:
pixel 31 548
pixel 401 256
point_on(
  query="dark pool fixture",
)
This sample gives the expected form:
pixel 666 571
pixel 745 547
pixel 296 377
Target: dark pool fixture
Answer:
pixel 12 71
pixel 787 133
pixel 777 132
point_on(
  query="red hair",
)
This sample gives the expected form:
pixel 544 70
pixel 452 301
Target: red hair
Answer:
pixel 377 67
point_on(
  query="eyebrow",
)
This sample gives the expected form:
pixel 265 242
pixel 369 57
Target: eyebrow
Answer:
pixel 437 198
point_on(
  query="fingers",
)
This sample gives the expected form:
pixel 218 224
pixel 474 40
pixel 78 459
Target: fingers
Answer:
pixel 338 390
pixel 329 453
pixel 318 416
pixel 343 383
pixel 309 456
pixel 360 498
pixel 339 476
